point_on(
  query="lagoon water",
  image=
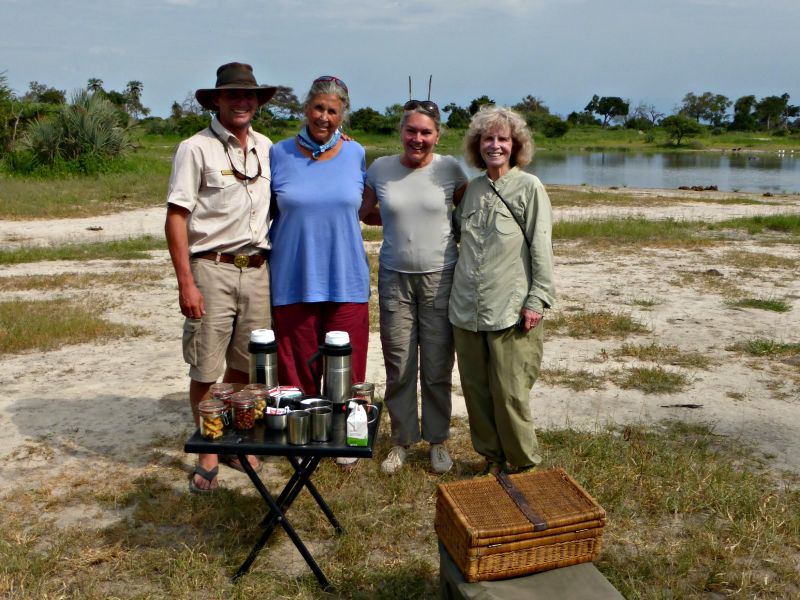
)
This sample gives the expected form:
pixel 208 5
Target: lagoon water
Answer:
pixel 729 171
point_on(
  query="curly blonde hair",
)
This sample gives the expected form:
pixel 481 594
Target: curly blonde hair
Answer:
pixel 489 118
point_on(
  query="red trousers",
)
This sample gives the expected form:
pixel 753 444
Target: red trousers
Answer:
pixel 300 330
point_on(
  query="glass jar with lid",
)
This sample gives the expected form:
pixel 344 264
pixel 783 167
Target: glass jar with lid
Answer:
pixel 243 410
pixel 260 394
pixel 212 418
pixel 221 391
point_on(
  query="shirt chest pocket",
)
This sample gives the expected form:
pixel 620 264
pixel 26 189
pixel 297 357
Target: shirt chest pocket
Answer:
pixel 471 220
pixel 220 186
pixel 505 223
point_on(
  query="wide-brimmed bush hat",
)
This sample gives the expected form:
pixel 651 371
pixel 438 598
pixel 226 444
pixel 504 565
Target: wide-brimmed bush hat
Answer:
pixel 234 76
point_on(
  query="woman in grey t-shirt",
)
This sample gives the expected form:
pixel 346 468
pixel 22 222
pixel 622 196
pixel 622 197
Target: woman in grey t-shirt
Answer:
pixel 413 196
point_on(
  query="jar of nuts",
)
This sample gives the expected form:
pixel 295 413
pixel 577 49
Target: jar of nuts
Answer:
pixel 212 418
pixel 243 407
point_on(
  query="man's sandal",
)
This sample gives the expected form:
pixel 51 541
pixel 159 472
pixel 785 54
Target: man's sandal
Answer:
pixel 232 461
pixel 209 476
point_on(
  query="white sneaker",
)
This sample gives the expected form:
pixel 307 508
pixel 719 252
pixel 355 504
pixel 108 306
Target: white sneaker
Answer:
pixel 346 462
pixel 395 460
pixel 440 459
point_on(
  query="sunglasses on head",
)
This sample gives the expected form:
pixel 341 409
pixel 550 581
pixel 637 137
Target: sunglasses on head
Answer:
pixel 336 80
pixel 429 106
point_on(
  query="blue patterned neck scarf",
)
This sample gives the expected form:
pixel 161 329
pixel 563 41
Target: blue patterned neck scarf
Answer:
pixel 306 141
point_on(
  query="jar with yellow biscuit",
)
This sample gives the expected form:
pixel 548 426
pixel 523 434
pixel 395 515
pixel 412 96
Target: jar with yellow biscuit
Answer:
pixel 260 394
pixel 212 418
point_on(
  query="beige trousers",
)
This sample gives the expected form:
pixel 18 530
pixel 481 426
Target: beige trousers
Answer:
pixel 416 337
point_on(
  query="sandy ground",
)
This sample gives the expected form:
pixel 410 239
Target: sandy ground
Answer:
pixel 90 407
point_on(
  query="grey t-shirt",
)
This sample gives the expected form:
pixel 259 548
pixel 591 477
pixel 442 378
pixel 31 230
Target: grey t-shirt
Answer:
pixel 416 207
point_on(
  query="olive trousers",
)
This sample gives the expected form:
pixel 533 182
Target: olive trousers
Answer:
pixel 498 370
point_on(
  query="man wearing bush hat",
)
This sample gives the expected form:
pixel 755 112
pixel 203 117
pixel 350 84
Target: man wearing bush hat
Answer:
pixel 216 229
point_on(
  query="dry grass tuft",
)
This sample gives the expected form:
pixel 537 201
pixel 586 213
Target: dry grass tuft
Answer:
pixel 669 355
pixel 595 324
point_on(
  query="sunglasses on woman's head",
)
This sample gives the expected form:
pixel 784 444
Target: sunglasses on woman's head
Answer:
pixel 336 80
pixel 428 106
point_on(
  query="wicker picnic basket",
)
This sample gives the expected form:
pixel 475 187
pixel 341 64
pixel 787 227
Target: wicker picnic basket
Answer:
pixel 490 535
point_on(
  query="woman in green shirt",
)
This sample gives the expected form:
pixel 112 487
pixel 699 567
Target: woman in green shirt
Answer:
pixel 502 283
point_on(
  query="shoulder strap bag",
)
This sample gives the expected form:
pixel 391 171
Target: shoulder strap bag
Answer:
pixel 513 216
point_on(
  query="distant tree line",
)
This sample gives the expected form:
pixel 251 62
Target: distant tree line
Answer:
pixel 43 129
pixel 772 114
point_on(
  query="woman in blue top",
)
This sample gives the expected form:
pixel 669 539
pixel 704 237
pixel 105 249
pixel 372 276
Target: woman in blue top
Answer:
pixel 318 266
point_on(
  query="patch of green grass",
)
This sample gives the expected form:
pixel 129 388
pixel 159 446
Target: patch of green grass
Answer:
pixel 80 281
pixel 51 324
pixel 630 230
pixel 787 223
pixel 773 304
pixel 689 513
pixel 577 380
pixel 767 348
pixel 595 324
pixel 130 249
pixel 670 232
pixel 663 354
pixel 141 182
pixel 651 380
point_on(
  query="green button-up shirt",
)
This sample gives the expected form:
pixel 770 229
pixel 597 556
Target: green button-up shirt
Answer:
pixel 497 274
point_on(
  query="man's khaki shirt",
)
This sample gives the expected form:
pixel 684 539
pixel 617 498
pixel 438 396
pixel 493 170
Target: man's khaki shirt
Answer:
pixel 226 214
pixel 497 274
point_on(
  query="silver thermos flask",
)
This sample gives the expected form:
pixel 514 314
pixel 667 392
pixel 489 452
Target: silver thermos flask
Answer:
pixel 263 357
pixel 336 354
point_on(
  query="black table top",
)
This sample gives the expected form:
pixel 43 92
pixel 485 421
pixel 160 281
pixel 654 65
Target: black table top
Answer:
pixel 261 441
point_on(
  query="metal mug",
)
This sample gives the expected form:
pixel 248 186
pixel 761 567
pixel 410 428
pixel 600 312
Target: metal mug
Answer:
pixel 321 423
pixel 298 426
pixel 312 402
pixel 367 407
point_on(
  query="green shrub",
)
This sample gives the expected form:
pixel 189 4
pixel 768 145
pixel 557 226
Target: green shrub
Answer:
pixel 84 136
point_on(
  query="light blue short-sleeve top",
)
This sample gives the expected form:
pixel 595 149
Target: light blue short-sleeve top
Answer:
pixel 317 249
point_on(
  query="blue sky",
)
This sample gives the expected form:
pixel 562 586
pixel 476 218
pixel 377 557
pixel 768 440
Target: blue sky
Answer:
pixel 561 51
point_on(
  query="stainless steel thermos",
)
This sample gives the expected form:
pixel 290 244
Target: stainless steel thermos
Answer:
pixel 336 354
pixel 263 357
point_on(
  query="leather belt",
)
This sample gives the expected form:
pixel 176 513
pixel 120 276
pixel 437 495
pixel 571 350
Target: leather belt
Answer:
pixel 252 261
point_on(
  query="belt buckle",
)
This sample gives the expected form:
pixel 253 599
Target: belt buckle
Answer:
pixel 241 260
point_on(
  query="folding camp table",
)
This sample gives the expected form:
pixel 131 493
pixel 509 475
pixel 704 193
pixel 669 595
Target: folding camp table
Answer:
pixel 304 459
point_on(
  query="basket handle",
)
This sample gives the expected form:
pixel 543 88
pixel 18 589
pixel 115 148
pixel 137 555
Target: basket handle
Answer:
pixel 522 504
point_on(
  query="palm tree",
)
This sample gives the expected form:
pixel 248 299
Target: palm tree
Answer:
pixel 95 85
pixel 133 91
